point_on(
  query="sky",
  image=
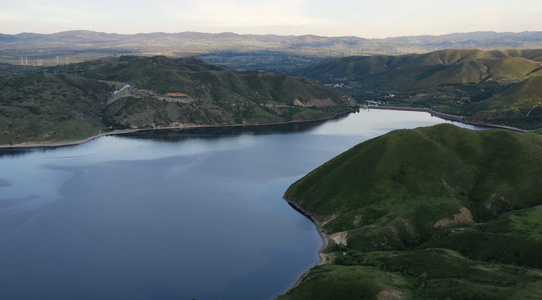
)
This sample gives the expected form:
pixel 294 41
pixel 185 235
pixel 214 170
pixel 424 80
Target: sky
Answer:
pixel 362 18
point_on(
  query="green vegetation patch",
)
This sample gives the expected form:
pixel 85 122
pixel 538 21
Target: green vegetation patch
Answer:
pixel 80 100
pixel 496 87
pixel 456 213
pixel 409 180
pixel 50 107
pixel 217 95
pixel 350 282
pixel 513 238
pixel 415 274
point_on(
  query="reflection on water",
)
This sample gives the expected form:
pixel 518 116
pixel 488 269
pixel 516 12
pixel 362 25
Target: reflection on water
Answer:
pixel 175 135
pixel 169 214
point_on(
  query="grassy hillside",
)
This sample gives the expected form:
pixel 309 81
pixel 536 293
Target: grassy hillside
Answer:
pixel 475 66
pixel 204 82
pixel 434 207
pixel 80 100
pixel 518 105
pixel 210 94
pixel 10 70
pixel 433 273
pixel 451 81
pixel 52 107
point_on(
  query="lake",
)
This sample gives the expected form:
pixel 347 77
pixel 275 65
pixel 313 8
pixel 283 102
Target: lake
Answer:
pixel 193 214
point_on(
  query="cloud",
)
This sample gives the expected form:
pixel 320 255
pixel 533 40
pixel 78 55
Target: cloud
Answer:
pixel 241 12
pixel 366 18
pixel 242 16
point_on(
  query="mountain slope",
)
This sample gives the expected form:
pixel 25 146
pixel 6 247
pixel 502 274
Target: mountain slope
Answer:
pixel 79 100
pixel 202 81
pixel 50 107
pixel 430 69
pixel 481 85
pixel 518 105
pixel 438 170
pixel 421 211
pixel 209 94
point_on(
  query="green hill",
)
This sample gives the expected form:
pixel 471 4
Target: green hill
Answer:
pixel 450 81
pixel 79 100
pixel 10 70
pixel 518 105
pixel 430 69
pixel 204 82
pixel 432 207
pixel 50 107
pixel 210 94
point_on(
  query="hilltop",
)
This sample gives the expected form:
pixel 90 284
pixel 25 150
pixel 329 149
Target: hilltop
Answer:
pixel 129 92
pixel 485 86
pixel 419 213
pixel 451 66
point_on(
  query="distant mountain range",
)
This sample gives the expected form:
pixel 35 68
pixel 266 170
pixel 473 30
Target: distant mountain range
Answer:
pixel 197 41
pixel 50 49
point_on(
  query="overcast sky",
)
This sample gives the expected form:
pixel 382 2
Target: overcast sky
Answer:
pixel 362 18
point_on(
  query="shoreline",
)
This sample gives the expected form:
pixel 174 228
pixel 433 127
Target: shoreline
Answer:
pixel 326 239
pixel 447 117
pixel 53 144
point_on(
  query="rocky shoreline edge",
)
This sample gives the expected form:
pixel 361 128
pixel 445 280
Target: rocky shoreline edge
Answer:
pixel 327 241
pixel 52 144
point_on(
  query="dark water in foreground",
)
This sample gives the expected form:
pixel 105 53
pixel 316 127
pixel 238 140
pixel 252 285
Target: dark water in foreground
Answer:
pixel 170 215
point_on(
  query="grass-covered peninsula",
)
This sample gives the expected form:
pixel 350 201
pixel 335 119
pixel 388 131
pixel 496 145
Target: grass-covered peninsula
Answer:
pixel 431 213
pixel 76 101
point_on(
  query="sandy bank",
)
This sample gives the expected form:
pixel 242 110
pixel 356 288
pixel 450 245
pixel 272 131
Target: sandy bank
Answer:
pixel 326 239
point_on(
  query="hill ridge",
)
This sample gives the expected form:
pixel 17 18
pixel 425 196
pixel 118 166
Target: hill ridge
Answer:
pixel 466 152
pixel 423 210
pixel 80 100
pixel 99 44
pixel 473 83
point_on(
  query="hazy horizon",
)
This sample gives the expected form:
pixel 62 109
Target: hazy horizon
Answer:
pixel 224 32
pixel 365 19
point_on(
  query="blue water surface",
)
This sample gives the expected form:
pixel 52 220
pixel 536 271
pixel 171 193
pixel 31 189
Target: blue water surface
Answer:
pixel 194 214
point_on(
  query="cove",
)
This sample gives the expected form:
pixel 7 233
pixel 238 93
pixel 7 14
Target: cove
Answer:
pixel 178 214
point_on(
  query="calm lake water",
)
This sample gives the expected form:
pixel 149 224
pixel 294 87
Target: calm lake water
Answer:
pixel 169 215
